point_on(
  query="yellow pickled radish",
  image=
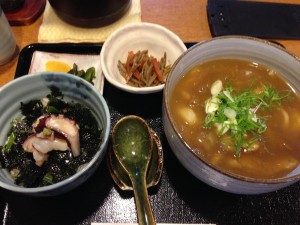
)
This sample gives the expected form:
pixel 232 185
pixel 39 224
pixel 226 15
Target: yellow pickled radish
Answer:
pixel 56 66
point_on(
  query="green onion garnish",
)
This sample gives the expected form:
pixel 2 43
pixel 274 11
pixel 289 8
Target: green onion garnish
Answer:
pixel 237 113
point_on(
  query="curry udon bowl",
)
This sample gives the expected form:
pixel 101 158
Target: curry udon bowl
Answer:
pixel 258 52
pixel 74 89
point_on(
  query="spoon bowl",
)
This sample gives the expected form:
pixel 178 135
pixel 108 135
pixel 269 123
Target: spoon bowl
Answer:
pixel 132 145
pixel 154 172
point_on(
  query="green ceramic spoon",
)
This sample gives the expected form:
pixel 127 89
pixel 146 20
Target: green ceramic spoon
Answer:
pixel 120 176
pixel 132 144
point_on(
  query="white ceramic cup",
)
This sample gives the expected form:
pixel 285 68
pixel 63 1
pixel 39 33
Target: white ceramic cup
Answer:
pixel 7 40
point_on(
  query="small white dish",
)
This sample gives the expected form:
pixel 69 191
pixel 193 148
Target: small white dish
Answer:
pixel 40 58
pixel 133 37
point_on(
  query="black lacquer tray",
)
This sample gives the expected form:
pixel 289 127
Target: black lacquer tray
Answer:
pixel 179 197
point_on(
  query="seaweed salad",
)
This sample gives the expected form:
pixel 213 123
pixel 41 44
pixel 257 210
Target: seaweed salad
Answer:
pixel 51 142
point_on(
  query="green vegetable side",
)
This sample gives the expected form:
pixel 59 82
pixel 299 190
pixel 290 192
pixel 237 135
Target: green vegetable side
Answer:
pixel 89 75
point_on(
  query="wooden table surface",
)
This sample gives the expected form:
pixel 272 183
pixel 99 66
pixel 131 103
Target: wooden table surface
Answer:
pixel 187 18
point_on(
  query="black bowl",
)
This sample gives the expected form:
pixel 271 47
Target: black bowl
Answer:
pixel 90 13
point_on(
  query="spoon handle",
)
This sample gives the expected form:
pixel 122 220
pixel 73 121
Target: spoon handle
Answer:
pixel 144 211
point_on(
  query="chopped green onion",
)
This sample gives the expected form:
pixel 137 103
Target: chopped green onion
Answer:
pixel 52 109
pixel 47 132
pixel 237 113
pixel 10 141
pixel 48 178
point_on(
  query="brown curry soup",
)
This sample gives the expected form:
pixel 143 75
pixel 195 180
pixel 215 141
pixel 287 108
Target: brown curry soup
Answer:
pixel 279 148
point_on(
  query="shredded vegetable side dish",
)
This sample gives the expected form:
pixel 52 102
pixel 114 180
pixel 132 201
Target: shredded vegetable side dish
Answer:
pixel 144 70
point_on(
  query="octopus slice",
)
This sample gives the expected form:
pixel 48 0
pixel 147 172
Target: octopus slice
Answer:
pixel 44 145
pixel 39 147
pixel 39 157
pixel 68 128
pixel 63 136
